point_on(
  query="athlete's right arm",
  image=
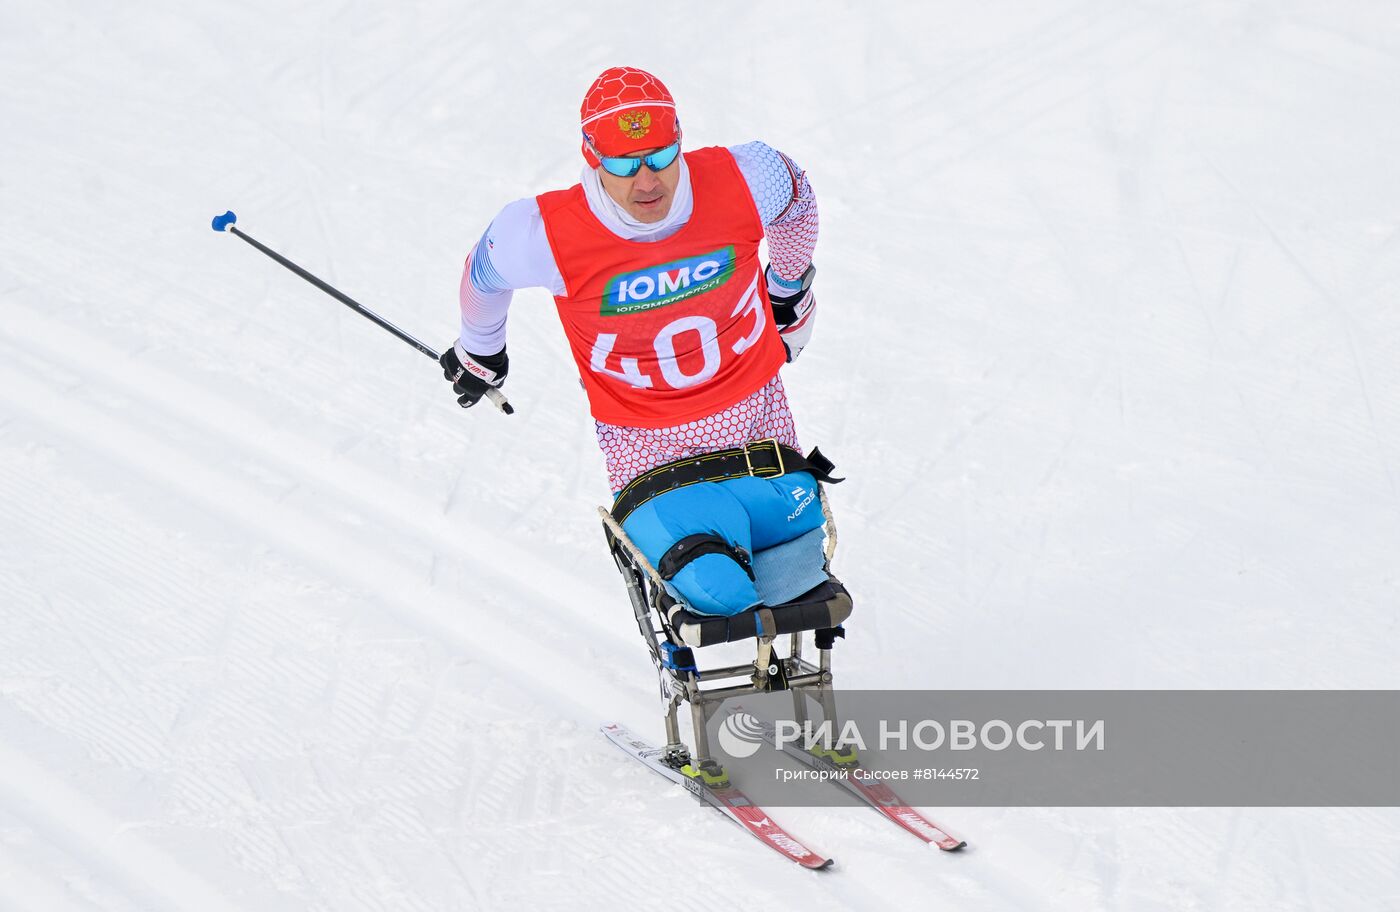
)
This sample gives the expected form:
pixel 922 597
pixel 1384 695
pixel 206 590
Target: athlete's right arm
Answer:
pixel 513 253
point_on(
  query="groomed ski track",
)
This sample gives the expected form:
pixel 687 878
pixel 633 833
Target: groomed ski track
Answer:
pixel 282 629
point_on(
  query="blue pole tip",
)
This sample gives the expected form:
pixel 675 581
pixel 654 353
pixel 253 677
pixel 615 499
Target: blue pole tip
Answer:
pixel 221 222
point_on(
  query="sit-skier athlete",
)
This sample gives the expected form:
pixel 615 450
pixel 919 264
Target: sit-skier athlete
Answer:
pixel 677 329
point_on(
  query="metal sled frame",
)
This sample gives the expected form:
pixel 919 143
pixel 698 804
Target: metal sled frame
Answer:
pixel 680 681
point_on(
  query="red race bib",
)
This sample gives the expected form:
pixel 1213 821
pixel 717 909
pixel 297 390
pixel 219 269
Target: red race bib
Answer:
pixel 668 331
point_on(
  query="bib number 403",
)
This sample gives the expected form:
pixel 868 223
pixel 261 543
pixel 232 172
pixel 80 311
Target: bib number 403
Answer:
pixel 630 370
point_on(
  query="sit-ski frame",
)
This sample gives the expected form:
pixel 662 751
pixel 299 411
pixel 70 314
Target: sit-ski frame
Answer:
pixel 680 682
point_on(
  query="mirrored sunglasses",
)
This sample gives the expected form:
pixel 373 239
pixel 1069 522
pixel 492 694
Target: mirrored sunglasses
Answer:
pixel 628 166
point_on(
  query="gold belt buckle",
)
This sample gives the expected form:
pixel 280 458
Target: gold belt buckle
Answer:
pixel 777 450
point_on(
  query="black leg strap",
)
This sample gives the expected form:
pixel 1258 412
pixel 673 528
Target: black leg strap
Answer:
pixel 693 546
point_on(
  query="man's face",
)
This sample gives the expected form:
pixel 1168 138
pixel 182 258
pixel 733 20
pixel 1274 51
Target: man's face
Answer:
pixel 647 194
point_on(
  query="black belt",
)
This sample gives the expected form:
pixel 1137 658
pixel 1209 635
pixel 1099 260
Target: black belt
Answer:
pixel 760 459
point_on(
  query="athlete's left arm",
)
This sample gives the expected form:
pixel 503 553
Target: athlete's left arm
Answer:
pixel 788 209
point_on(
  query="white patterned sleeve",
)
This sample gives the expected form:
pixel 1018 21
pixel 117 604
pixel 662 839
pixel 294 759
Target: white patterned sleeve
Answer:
pixel 786 204
pixel 513 253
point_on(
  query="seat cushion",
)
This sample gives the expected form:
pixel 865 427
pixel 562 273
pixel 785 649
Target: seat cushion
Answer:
pixel 822 607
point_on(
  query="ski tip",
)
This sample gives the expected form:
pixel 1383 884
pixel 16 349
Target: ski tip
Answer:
pixel 221 222
pixel 826 865
pixel 959 846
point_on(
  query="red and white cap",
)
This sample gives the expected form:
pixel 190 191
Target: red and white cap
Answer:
pixel 626 111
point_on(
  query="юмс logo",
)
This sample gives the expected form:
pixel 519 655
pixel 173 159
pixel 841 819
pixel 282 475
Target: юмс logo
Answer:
pixel 657 286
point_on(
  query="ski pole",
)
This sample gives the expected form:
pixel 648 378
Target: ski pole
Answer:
pixel 225 223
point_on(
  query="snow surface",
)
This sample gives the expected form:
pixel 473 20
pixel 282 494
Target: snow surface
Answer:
pixel 1108 348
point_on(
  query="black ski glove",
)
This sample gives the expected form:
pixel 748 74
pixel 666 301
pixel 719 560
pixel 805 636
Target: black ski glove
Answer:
pixel 472 375
pixel 793 309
